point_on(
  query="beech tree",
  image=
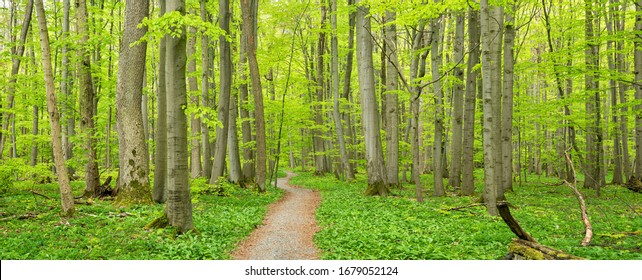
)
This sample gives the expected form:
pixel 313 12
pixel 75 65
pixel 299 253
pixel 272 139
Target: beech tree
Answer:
pixel 133 176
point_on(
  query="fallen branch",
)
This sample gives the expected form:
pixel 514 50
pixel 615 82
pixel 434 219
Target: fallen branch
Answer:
pixel 465 206
pixel 37 193
pixel 585 219
pixel 21 217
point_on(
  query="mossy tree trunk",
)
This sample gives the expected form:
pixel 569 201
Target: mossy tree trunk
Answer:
pixel 133 176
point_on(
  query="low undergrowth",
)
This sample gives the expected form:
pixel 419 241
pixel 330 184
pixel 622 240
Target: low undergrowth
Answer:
pixel 32 229
pixel 354 226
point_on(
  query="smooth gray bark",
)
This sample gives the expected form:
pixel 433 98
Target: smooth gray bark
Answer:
pixel 392 102
pixel 159 192
pixel 179 204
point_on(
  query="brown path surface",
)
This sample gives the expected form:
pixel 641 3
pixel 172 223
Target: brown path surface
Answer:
pixel 288 228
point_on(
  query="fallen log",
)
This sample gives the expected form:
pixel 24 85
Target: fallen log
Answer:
pixel 520 249
pixel 525 247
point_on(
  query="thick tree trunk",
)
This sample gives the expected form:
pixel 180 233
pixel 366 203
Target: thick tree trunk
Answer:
pixel 345 156
pixel 248 8
pixel 66 195
pixel 159 192
pixel 491 63
pixel 179 203
pixel 416 72
pixel 617 148
pixel 436 61
pixel 225 85
pixel 468 180
pixel 133 176
pixel 370 113
pixel 392 102
pixel 246 126
pixel 236 174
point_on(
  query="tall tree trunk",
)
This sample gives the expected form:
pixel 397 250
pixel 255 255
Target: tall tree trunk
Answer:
pixel 66 195
pixel 236 174
pixel 638 90
pixel 249 8
pixel 458 104
pixel 507 102
pixel 87 98
pixel 194 97
pixel 593 163
pixel 347 78
pixel 319 147
pixel 205 130
pixel 69 120
pixel 436 61
pixel 345 156
pixel 133 173
pixel 392 101
pixel 159 192
pixel 617 148
pixel 622 88
pixel 491 63
pixel 370 114
pixel 225 84
pixel 179 203
pixel 15 68
pixel 416 71
pixel 246 126
pixel 468 152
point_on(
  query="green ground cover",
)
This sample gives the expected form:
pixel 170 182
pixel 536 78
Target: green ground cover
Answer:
pixel 103 231
pixel 397 227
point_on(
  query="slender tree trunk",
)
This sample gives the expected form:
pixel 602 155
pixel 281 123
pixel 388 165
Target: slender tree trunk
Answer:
pixel 34 132
pixel 458 105
pixel 319 147
pixel 248 8
pixel 87 98
pixel 370 113
pixel 66 195
pixel 205 68
pixel 347 78
pixel 593 162
pixel 179 203
pixel 69 120
pixel 194 97
pixel 416 72
pixel 236 174
pixel 622 88
pixel 638 90
pixel 345 156
pixel 436 61
pixel 225 84
pixel 392 102
pixel 133 176
pixel 507 102
pixel 159 192
pixel 468 152
pixel 246 126
pixel 15 68
pixel 617 148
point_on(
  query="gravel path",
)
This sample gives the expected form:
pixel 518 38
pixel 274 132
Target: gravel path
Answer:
pixel 288 228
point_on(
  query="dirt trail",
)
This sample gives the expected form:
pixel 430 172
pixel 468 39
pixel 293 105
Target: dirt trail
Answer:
pixel 288 228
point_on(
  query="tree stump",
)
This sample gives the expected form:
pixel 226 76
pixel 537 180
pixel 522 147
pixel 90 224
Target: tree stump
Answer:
pixel 634 184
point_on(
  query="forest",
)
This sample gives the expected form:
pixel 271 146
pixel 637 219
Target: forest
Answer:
pixel 406 129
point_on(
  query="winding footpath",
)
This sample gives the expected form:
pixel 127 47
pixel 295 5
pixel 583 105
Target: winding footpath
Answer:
pixel 288 229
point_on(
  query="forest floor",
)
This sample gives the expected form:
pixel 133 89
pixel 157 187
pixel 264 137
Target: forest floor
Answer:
pixel 288 229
